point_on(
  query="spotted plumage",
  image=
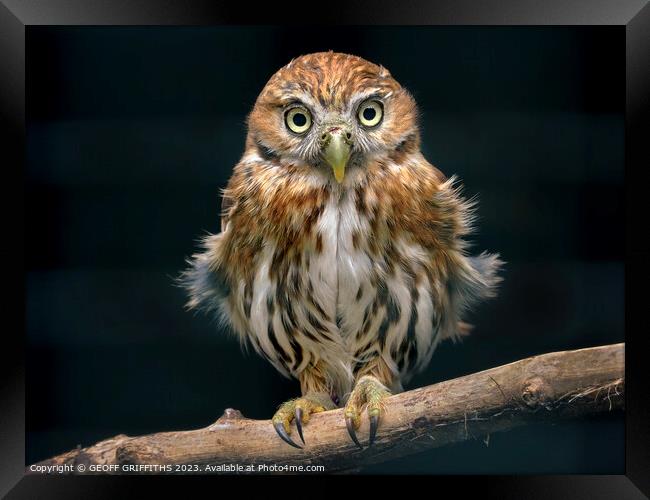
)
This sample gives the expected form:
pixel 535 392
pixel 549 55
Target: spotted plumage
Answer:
pixel 342 251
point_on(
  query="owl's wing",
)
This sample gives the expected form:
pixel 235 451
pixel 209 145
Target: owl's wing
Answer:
pixel 228 205
pixel 235 191
pixel 469 278
pixel 204 279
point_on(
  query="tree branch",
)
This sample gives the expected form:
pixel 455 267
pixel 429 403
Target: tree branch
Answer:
pixel 548 387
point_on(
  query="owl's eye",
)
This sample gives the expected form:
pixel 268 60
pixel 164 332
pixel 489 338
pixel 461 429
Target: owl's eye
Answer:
pixel 298 120
pixel 370 113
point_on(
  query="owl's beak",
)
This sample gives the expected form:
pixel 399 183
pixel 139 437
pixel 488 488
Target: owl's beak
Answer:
pixel 336 144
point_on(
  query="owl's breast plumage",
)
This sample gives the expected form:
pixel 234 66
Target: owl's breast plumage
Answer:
pixel 333 283
pixel 339 276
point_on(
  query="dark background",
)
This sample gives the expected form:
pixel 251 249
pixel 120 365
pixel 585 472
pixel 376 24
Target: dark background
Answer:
pixel 133 131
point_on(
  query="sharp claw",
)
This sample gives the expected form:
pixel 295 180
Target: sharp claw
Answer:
pixel 299 424
pixel 279 428
pixel 350 425
pixel 374 421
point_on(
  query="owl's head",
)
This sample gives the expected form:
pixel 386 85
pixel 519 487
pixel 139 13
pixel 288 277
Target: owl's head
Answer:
pixel 332 112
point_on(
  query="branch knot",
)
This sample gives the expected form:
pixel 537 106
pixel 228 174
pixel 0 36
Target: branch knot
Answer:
pixel 537 394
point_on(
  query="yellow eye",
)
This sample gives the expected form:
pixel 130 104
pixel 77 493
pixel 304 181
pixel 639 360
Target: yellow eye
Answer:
pixel 370 113
pixel 298 120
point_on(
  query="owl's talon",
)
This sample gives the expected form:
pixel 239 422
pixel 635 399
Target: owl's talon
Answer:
pixel 369 393
pixel 374 423
pixel 279 428
pixel 300 410
pixel 299 423
pixel 349 423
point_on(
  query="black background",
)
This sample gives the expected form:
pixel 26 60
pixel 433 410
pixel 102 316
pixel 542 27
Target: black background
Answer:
pixel 133 131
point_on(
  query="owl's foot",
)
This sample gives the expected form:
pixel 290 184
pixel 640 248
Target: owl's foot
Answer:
pixel 368 392
pixel 300 409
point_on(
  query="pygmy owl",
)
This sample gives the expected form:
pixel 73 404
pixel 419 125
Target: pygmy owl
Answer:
pixel 342 256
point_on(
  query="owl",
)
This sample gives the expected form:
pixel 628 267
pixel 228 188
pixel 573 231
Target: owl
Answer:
pixel 342 257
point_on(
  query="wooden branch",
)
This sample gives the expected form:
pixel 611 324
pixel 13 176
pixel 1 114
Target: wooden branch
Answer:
pixel 548 387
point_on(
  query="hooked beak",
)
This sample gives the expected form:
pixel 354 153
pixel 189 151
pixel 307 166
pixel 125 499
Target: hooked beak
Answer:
pixel 336 144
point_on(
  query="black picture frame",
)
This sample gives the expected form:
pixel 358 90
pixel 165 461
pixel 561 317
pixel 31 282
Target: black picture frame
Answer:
pixel 631 15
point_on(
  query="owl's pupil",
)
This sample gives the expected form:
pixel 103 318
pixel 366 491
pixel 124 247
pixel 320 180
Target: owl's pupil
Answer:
pixel 299 120
pixel 369 113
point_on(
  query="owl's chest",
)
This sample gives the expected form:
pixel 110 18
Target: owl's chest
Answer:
pixel 339 266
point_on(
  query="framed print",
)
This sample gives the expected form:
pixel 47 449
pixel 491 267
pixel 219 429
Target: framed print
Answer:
pixel 393 241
